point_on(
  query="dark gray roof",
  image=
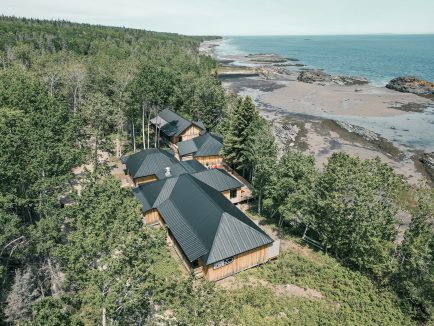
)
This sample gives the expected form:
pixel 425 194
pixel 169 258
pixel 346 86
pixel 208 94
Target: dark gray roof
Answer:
pixel 148 162
pixel 172 124
pixel 179 168
pixel 204 222
pixel 205 145
pixel 154 161
pixel 218 179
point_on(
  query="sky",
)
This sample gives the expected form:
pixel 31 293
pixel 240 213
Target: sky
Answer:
pixel 239 17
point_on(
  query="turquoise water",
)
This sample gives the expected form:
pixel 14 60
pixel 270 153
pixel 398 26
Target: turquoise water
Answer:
pixel 379 58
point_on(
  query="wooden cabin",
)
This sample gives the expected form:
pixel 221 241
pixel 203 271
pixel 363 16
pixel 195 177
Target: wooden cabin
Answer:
pixel 212 236
pixel 155 164
pixel 174 128
pixel 206 149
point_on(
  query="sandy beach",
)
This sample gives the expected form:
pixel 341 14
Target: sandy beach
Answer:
pixel 360 100
pixel 303 114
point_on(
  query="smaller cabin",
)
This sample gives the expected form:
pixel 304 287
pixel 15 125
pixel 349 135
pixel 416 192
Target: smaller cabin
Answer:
pixel 156 164
pixel 174 128
pixel 205 149
pixel 220 180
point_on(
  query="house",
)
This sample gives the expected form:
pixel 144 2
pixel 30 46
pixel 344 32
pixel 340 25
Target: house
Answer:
pixel 174 128
pixel 213 237
pixel 206 149
pixel 155 164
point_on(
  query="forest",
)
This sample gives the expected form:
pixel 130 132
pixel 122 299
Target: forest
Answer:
pixel 69 92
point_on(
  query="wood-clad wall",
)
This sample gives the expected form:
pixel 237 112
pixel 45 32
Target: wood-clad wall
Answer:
pixel 241 262
pixel 210 160
pixel 149 178
pixel 236 199
pixel 191 132
pixel 152 217
pixel 188 157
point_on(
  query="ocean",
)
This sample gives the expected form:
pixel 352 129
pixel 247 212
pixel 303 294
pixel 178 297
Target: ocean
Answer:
pixel 379 58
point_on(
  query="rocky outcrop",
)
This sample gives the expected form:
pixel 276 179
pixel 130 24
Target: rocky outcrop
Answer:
pixel 322 78
pixel 362 132
pixel 427 159
pixel 266 58
pixel 411 85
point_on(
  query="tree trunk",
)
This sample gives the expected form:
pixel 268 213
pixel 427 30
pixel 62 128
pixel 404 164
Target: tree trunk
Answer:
pixel 143 126
pixel 134 136
pixel 259 202
pixel 103 317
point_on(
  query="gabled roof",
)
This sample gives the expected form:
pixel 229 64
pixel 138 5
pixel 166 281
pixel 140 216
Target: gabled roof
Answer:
pixel 218 179
pixel 179 168
pixel 148 162
pixel 154 161
pixel 205 145
pixel 204 222
pixel 172 124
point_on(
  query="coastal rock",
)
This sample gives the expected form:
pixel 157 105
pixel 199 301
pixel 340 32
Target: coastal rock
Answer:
pixel 411 85
pixel 363 132
pixel 286 133
pixel 322 78
pixel 266 58
pixel 427 159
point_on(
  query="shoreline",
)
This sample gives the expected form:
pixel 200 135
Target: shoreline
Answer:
pixel 317 111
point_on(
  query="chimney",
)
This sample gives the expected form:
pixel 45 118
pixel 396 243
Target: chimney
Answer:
pixel 168 174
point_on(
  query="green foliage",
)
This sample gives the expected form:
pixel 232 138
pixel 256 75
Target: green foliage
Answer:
pixel 243 115
pixel 347 297
pixel 261 154
pixel 289 194
pixel 52 311
pixel 109 270
pixel 414 278
pixel 355 209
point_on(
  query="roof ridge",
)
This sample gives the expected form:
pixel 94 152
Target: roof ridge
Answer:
pixel 230 218
pixel 185 220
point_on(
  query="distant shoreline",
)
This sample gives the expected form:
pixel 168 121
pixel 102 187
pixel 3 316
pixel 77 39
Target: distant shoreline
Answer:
pixel 283 100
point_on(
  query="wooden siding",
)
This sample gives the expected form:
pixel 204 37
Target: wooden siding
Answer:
pixel 187 157
pixel 241 262
pixel 236 199
pixel 190 132
pixel 210 160
pixel 152 217
pixel 149 178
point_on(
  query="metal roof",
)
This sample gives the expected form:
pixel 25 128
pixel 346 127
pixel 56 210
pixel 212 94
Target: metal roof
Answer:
pixel 148 162
pixel 203 221
pixel 172 124
pixel 218 179
pixel 154 161
pixel 205 145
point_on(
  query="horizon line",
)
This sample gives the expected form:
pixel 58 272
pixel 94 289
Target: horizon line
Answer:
pixel 213 34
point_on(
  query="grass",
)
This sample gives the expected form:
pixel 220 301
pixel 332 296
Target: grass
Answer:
pixel 348 298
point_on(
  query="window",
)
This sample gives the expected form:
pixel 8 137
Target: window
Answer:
pixel 223 262
pixel 233 193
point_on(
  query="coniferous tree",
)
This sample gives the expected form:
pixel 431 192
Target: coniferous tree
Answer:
pixel 244 114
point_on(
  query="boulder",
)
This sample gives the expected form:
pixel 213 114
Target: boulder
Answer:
pixel 320 77
pixel 427 159
pixel 411 85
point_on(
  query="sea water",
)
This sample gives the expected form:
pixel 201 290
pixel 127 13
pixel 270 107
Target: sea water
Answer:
pixel 379 58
